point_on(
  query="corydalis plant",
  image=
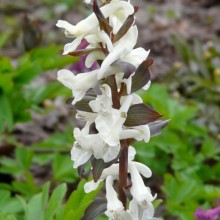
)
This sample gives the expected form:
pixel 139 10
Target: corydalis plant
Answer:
pixel 115 117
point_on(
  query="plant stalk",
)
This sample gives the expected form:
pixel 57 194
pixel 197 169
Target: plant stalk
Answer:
pixel 123 173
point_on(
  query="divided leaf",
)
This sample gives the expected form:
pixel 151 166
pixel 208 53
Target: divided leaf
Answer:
pixel 141 114
pixel 142 76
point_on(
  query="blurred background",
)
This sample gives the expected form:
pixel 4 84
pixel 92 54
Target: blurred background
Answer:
pixel 36 125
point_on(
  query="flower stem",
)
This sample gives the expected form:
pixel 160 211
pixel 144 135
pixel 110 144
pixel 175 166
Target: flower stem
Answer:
pixel 123 172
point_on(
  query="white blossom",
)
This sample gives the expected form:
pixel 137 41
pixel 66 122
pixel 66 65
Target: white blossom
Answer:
pixel 141 194
pixel 121 47
pixel 141 132
pixel 79 84
pixel 87 145
pixel 90 25
pixel 109 121
pixel 113 171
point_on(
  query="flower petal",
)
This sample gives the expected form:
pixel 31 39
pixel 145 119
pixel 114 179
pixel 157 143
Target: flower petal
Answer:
pixel 113 203
pixel 136 56
pixel 70 47
pixel 100 37
pixel 123 46
pixel 79 155
pixel 143 169
pixel 66 77
pixel 93 57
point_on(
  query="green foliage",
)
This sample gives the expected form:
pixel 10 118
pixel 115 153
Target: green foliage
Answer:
pixel 197 77
pixel 77 203
pixel 46 205
pixel 184 149
pixel 9 204
pixel 16 97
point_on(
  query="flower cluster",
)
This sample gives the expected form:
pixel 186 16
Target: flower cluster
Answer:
pixel 105 99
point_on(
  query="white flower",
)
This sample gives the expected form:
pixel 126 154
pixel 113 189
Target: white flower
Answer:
pixel 121 47
pixel 100 37
pixel 141 132
pixel 79 84
pixel 138 213
pixel 141 194
pixel 90 25
pixel 136 56
pixel 113 171
pixel 115 207
pixel 93 57
pixel 109 121
pixel 87 145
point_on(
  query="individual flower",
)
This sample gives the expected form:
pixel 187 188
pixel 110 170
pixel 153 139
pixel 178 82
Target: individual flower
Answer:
pixel 79 84
pixel 138 213
pixel 87 145
pixel 115 209
pixel 141 194
pixel 139 133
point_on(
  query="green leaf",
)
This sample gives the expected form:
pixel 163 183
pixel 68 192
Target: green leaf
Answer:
pixel 6 117
pixel 34 209
pixel 57 142
pixel 78 202
pixel 63 168
pixel 45 195
pixel 6 83
pixel 209 148
pixel 38 94
pixel 24 157
pixel 7 217
pixel 4 37
pixel 9 166
pixel 27 188
pixel 55 201
pixel 9 204
pixel 5 65
pixel 27 73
